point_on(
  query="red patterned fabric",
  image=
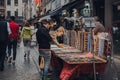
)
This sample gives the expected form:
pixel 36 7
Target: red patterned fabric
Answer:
pixel 75 70
pixel 37 2
pixel 69 70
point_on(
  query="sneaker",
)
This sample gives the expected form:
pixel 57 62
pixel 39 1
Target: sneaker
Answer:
pixel 9 59
pixel 13 62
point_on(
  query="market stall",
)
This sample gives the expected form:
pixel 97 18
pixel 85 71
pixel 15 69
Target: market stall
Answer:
pixel 76 62
pixel 76 55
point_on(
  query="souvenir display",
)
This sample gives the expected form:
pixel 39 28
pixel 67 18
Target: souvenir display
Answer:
pixel 73 38
pixel 74 56
pixel 86 41
pixel 79 43
pixel 67 40
pixel 80 40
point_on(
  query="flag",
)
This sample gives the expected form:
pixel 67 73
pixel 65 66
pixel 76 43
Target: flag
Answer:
pixel 37 2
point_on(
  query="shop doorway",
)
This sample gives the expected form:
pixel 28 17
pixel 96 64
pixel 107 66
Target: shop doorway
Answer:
pixel 99 7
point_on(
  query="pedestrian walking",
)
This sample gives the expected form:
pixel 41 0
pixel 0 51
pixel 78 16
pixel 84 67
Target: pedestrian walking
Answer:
pixel 26 34
pixel 4 32
pixel 13 39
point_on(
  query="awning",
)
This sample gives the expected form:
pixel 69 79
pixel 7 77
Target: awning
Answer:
pixel 72 4
pixel 45 17
pixel 58 11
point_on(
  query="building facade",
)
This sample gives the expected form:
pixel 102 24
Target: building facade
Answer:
pixel 29 9
pixel 14 8
pixel 2 7
pixel 53 5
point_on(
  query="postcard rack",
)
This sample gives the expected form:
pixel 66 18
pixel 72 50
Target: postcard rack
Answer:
pixel 85 41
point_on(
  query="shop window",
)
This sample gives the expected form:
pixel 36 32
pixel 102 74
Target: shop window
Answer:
pixel 16 13
pixel 16 2
pixel 1 3
pixel 116 12
pixel 2 11
pixel 8 13
pixel 8 2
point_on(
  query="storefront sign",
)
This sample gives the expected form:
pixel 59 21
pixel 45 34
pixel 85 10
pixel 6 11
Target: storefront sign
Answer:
pixel 89 22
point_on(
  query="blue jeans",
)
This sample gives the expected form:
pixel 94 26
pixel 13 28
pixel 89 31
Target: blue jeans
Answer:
pixel 47 57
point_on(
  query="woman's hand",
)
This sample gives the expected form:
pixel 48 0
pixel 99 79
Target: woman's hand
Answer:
pixel 60 45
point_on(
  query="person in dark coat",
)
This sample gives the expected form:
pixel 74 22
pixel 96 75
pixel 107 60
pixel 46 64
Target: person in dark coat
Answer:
pixel 4 32
pixel 44 39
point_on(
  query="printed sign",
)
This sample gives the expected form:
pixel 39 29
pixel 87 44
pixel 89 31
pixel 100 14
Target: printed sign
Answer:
pixel 89 22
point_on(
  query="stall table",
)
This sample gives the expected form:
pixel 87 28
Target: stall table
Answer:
pixel 75 62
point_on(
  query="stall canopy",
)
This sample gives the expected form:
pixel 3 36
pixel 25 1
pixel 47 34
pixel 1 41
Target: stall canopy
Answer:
pixel 65 7
pixel 72 4
pixel 45 17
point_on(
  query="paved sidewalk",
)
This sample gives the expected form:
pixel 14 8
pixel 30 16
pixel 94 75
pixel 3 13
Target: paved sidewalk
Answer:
pixel 28 69
pixel 24 69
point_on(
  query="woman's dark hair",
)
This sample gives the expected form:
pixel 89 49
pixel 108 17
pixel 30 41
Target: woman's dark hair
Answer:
pixel 44 21
pixel 51 21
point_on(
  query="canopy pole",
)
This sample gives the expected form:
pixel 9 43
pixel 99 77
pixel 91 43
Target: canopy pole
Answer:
pixel 91 15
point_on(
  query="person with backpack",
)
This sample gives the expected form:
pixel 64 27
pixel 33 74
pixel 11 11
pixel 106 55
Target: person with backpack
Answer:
pixel 26 34
pixel 13 39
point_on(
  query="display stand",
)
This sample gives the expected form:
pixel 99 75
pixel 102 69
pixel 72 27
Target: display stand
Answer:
pixel 92 49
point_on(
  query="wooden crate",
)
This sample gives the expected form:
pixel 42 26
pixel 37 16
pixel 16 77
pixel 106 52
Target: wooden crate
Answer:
pixel 80 40
pixel 67 37
pixel 85 40
pixel 96 44
pixel 73 38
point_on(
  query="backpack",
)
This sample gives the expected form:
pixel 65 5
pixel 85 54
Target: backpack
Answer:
pixel 27 33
